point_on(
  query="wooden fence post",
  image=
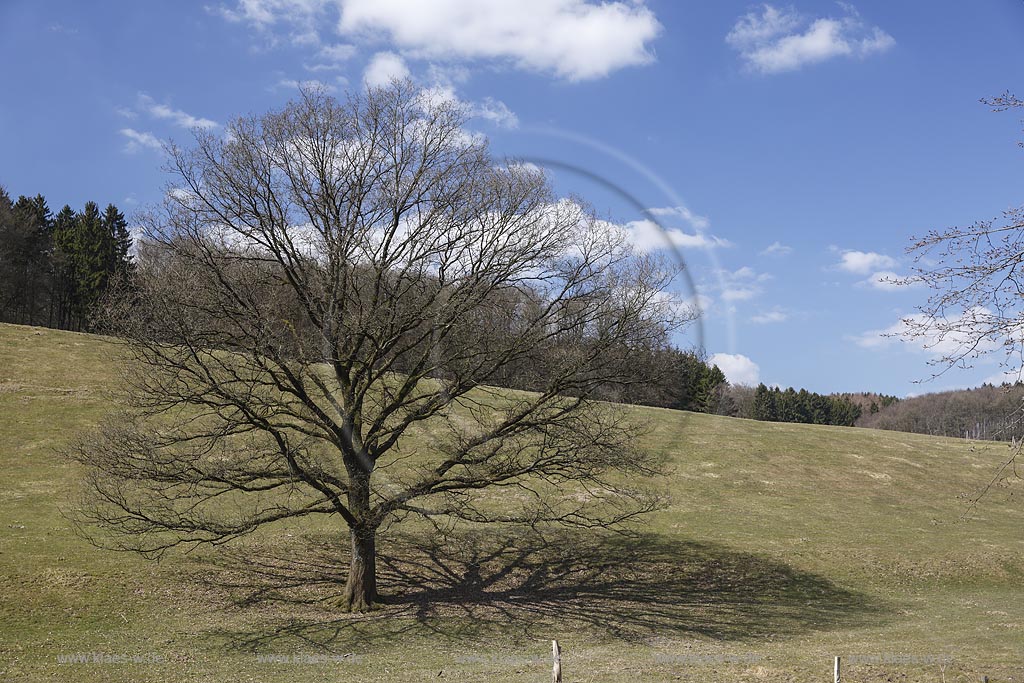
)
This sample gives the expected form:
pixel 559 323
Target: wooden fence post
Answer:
pixel 556 654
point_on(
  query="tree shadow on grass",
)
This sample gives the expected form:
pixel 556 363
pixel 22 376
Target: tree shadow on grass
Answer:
pixel 519 586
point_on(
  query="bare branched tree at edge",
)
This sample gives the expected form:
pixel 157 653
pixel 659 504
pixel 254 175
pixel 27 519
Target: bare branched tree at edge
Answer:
pixel 975 275
pixel 976 278
pixel 322 306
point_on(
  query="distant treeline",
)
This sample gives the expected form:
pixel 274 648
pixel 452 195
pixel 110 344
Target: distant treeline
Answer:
pixel 684 381
pixel 688 382
pixel 988 412
pixel 869 403
pixel 55 268
pixel 807 407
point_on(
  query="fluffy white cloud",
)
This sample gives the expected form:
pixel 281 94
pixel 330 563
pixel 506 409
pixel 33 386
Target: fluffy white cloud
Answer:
pixel 776 40
pixel 864 262
pixel 176 116
pixel 383 68
pixel 742 284
pixel 488 109
pixel 698 222
pixel 962 333
pixel 776 249
pixel 768 317
pixel 495 111
pixel 646 235
pixel 738 368
pixel 138 140
pixel 888 281
pixel 574 39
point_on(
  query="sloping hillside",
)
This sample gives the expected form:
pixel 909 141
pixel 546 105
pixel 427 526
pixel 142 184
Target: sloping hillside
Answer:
pixel 783 546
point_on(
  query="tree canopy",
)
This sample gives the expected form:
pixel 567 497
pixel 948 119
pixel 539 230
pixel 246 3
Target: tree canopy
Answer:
pixel 322 308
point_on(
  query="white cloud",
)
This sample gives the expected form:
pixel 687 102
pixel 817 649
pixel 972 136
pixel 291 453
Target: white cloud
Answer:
pixel 176 116
pixel 489 109
pixel 310 84
pixel 776 249
pixel 497 112
pixel 768 317
pixel 646 235
pixel 267 12
pixel 740 293
pixel 138 140
pixel 742 284
pixel 1005 376
pixel 61 28
pixel 864 262
pixel 573 39
pixel 182 195
pixel 960 333
pixel 300 16
pixel 888 281
pixel 738 368
pixel 338 53
pixel 332 57
pixel 447 74
pixel 383 68
pixel 777 40
pixel 876 339
pixel 700 302
pixel 698 222
pixel 319 67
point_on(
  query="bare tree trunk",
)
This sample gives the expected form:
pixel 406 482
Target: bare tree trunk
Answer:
pixel 361 587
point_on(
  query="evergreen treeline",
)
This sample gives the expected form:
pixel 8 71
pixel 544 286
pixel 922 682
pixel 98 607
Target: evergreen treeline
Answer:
pixel 55 268
pixel 776 405
pixel 685 382
pixel 688 382
pixel 988 412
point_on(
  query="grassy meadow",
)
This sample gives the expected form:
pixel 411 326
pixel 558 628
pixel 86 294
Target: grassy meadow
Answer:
pixel 783 546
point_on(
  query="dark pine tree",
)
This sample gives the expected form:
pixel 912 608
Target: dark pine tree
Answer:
pixel 764 404
pixel 24 261
pixel 93 249
pixel 121 264
pixel 66 297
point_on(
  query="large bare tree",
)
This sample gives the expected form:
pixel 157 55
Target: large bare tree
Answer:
pixel 323 304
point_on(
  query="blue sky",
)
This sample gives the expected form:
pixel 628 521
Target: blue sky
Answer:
pixel 792 148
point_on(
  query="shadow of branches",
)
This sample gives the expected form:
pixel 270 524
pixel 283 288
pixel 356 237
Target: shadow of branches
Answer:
pixel 529 585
